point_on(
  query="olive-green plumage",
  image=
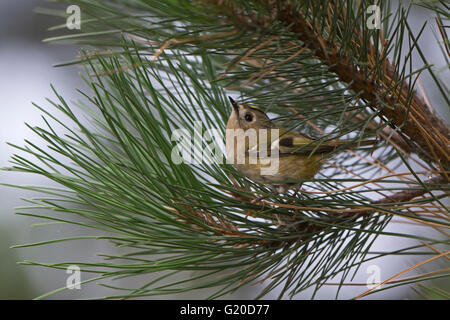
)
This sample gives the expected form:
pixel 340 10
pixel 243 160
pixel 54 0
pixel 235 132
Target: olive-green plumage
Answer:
pixel 297 156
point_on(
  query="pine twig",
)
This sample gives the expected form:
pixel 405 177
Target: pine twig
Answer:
pixel 411 116
pixel 398 198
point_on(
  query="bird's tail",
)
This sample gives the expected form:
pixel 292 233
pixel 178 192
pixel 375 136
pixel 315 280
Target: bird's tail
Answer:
pixel 330 146
pixel 353 143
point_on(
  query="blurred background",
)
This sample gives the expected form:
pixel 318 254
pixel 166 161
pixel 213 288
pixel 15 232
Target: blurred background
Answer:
pixel 26 65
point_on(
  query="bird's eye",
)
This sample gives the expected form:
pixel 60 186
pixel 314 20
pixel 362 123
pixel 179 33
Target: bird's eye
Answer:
pixel 248 117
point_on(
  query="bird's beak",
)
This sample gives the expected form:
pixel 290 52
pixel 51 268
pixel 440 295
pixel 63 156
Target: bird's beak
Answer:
pixel 235 105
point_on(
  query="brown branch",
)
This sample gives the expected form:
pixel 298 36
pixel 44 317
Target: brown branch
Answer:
pixel 336 216
pixel 410 194
pixel 394 106
pixel 389 94
pixel 400 197
pixel 396 199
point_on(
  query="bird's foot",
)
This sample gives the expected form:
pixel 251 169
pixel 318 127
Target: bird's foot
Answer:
pixel 259 200
pixel 250 213
pixel 298 191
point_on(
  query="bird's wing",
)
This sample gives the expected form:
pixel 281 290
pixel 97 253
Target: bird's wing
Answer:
pixel 294 143
pixel 288 142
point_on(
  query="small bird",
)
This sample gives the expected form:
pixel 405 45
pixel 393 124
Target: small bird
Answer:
pixel 295 156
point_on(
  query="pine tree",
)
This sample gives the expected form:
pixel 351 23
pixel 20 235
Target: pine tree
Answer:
pixel 331 69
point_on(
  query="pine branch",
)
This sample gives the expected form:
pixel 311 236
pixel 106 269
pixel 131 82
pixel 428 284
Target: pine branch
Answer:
pixel 118 175
pixel 389 94
pixel 408 195
pixel 396 199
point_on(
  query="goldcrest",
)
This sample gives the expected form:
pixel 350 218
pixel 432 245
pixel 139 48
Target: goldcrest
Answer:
pixel 254 144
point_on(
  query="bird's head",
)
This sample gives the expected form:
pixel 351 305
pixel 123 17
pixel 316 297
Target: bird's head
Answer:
pixel 245 116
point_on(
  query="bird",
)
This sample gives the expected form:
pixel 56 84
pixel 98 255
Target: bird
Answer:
pixel 294 156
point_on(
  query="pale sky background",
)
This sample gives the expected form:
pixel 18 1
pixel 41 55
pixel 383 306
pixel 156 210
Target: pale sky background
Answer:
pixel 25 77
